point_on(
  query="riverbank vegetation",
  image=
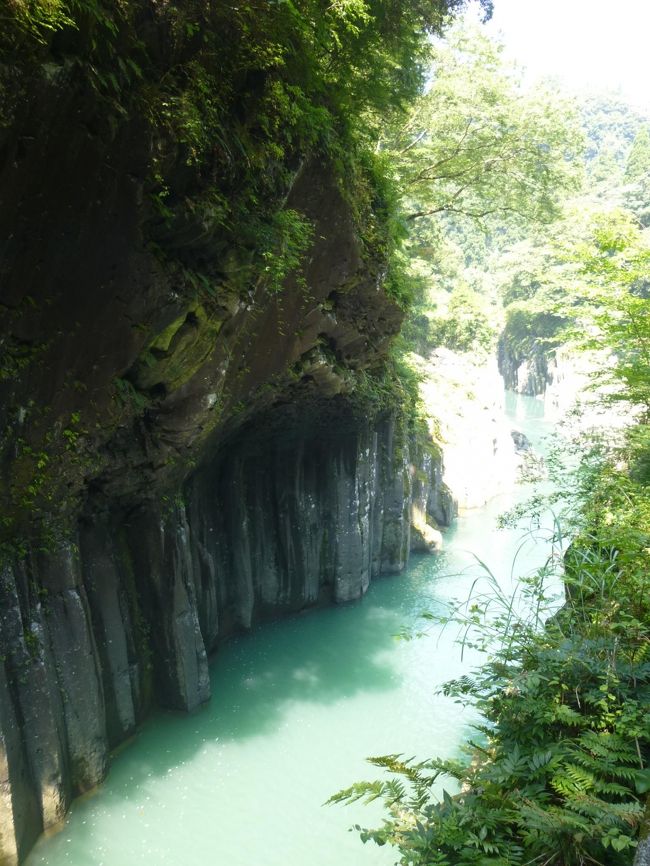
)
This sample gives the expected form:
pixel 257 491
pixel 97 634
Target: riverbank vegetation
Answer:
pixel 488 212
pixel 559 769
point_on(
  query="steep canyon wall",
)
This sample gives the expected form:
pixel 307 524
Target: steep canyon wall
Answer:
pixel 128 611
pixel 194 435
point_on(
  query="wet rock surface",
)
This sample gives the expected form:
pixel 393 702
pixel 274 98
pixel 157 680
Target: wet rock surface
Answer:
pixel 182 451
pixel 126 613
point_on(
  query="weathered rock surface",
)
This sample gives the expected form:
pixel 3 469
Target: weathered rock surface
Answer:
pixel 290 515
pixel 296 499
pixel 526 374
pixel 183 447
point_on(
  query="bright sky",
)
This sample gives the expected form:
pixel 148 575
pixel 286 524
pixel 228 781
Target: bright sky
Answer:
pixel 588 44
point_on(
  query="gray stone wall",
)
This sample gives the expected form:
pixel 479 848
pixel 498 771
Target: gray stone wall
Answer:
pixel 128 610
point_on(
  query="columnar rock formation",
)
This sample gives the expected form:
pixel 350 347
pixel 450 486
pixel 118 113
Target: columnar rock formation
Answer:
pixel 526 373
pixel 186 445
pixel 130 608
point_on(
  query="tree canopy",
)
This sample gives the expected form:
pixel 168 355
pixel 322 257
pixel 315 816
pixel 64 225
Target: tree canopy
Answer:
pixel 477 144
pixel 637 177
pixel 559 772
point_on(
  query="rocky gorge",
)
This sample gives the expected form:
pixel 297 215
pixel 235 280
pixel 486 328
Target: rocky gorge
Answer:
pixel 191 442
pixel 128 610
pixel 204 425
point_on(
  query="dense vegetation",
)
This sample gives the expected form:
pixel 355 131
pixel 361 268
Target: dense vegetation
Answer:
pixel 220 107
pixel 235 98
pixel 560 767
pixel 467 189
pixel 477 166
pixel 475 269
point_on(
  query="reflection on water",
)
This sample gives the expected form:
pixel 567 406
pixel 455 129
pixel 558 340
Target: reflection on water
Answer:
pixel 297 706
pixel 528 415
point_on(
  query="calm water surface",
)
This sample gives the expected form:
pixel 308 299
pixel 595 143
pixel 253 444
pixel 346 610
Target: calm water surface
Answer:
pixel 296 707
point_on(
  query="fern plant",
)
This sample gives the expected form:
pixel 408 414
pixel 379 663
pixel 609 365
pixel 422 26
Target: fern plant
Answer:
pixel 560 768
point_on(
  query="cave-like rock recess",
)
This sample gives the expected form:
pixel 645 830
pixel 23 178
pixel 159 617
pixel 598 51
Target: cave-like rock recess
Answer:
pixel 185 447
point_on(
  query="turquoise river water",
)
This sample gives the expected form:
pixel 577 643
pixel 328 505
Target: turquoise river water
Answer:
pixel 296 707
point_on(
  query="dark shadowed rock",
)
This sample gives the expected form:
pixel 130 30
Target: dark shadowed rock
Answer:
pixel 521 441
pixel 183 448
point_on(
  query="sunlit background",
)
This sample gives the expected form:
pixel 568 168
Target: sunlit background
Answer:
pixel 586 44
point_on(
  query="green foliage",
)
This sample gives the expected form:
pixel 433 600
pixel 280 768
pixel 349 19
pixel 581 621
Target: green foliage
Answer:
pixel 393 387
pixel 484 150
pixel 465 326
pixel 610 126
pixel 637 176
pixel 374 199
pixel 234 97
pixel 282 248
pixel 527 330
pixel 480 164
pixel 127 394
pixel 583 284
pixel 400 283
pixel 561 769
pixel 563 757
pixel 638 162
pixel 36 19
pixel 224 106
pixel 549 295
pixel 15 356
pixel 611 304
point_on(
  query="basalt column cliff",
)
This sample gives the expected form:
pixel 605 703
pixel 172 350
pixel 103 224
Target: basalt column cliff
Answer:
pixel 196 432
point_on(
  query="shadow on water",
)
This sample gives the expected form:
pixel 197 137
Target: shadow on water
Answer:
pixel 321 658
pixel 296 706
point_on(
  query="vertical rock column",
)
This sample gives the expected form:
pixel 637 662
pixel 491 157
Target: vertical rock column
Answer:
pixel 354 490
pixel 20 819
pixel 68 627
pixel 119 627
pixel 163 568
pixel 432 504
pixel 128 607
pixel 396 486
pixel 52 725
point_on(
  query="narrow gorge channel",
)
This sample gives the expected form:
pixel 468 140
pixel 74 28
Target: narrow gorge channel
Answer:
pixel 297 705
pixel 266 269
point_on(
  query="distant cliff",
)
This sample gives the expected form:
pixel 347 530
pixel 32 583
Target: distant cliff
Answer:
pixel 528 350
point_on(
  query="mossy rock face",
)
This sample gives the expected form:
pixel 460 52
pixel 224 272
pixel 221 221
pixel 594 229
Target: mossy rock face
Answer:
pixel 144 363
pixel 140 242
pixel 176 354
